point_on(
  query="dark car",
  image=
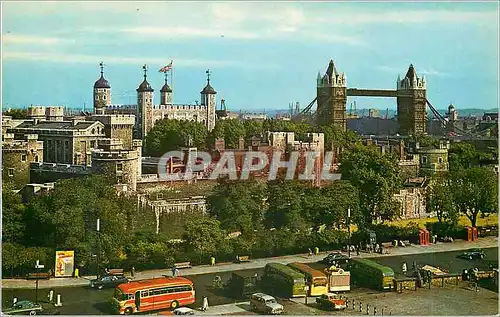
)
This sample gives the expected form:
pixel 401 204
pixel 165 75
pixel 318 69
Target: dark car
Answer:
pixel 24 307
pixel 472 254
pixel 108 281
pixel 335 258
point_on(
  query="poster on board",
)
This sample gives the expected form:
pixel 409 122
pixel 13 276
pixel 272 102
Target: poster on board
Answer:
pixel 65 262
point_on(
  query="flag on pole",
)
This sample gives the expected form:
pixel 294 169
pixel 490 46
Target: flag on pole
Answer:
pixel 166 68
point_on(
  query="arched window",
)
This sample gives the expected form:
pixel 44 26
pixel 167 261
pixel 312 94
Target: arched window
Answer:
pixel 93 131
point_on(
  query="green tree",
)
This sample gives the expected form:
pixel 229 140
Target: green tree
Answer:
pixel 475 191
pixel 13 226
pixel 168 135
pixel 329 205
pixel 67 217
pixel 465 155
pixel 253 127
pixel 285 205
pixel 376 176
pixel 231 130
pixel 238 205
pixel 440 199
pixel 17 113
pixel 204 236
pixel 337 138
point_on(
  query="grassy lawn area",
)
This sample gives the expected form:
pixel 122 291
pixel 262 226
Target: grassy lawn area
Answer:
pixel 464 221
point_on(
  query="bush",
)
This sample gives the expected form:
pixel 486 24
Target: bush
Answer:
pixel 443 229
pixel 388 233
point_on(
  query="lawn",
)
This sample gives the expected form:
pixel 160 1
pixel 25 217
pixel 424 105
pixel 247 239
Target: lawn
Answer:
pixel 464 221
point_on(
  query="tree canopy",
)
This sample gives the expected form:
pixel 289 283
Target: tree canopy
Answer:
pixel 376 176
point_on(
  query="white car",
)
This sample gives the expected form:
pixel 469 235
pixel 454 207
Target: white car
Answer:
pixel 265 304
pixel 178 311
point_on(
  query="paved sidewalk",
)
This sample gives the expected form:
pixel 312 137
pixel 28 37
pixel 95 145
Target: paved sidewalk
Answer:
pixel 486 242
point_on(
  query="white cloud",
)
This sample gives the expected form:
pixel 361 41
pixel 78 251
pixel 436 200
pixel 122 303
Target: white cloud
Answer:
pixel 28 39
pixel 188 32
pixel 92 59
pixel 355 17
pixel 402 71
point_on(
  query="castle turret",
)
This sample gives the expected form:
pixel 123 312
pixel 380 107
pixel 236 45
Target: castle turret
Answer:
pixel 144 106
pixel 208 100
pixel 166 93
pixel 102 93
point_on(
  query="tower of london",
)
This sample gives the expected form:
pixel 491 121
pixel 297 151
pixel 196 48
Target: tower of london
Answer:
pixel 147 112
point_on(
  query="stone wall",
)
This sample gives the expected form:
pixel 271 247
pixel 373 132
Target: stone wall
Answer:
pixel 17 155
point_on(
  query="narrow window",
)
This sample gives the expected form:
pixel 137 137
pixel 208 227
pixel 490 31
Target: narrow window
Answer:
pixel 119 167
pixel 11 172
pixel 23 157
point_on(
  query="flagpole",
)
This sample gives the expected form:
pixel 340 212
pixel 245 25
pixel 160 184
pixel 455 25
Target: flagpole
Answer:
pixel 172 80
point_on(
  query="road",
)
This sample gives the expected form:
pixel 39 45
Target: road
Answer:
pixel 86 301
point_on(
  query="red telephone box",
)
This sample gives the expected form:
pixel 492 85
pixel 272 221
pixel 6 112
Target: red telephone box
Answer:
pixel 423 237
pixel 474 233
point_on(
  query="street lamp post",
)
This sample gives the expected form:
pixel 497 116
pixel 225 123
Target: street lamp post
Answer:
pixel 38 266
pixel 349 231
pixel 98 245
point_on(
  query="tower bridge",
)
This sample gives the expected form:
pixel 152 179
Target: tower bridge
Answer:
pixel 410 93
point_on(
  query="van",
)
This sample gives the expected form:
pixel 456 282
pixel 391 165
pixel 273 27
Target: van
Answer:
pixel 265 304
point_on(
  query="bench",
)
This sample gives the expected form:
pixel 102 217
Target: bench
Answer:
pixel 242 258
pixel 183 265
pixel 115 272
pixel 39 275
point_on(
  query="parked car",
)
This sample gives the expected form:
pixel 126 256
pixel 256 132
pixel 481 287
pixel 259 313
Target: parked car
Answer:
pixel 472 254
pixel 108 281
pixel 178 311
pixel 24 307
pixel 331 301
pixel 335 257
pixel 265 304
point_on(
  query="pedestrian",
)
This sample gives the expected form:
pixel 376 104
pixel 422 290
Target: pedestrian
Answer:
pixel 176 272
pixel 77 273
pixel 132 271
pixel 377 248
pixel 357 250
pixel 476 278
pixel 310 252
pixel 404 268
pixel 205 304
pixel 50 273
pixel 212 260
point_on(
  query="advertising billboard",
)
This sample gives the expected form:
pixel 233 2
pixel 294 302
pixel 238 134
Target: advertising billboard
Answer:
pixel 65 262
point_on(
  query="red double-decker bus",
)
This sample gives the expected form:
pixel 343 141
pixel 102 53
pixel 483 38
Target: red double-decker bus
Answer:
pixel 153 294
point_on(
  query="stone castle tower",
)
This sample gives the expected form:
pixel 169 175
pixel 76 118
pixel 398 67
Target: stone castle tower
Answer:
pixel 166 93
pixel 331 97
pixel 144 106
pixel 412 100
pixel 102 93
pixel 208 100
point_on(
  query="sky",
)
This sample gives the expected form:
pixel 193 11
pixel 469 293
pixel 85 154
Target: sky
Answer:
pixel 262 55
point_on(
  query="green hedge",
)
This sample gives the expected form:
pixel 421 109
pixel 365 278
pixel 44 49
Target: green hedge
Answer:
pixel 387 233
pixel 443 229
